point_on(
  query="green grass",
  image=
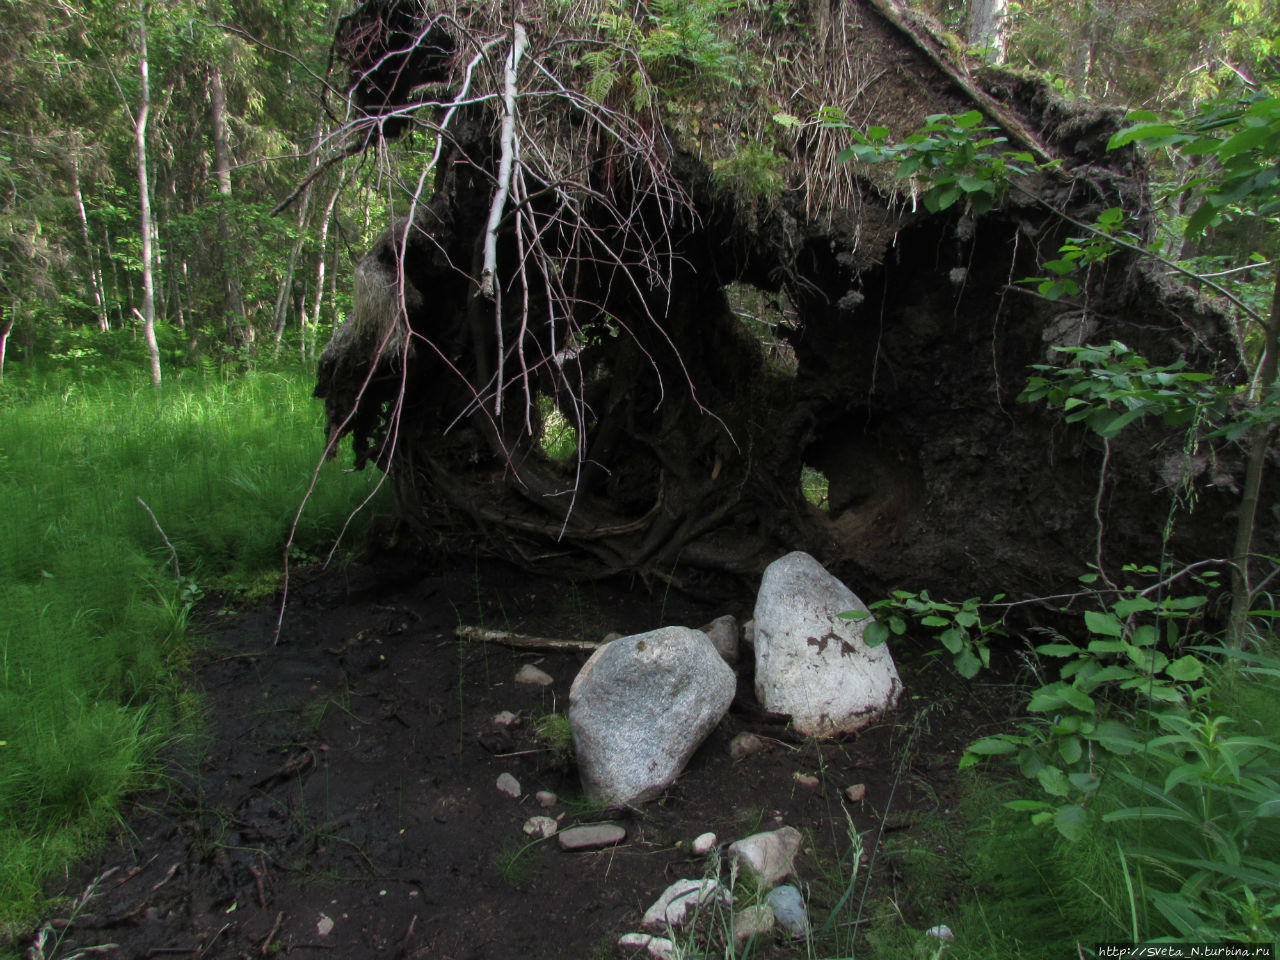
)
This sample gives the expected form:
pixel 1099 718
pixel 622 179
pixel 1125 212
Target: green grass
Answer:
pixel 93 623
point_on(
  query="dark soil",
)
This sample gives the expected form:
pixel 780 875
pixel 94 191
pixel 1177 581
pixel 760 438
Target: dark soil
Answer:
pixel 349 772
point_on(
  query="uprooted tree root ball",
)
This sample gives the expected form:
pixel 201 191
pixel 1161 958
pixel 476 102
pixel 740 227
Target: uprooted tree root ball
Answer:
pixel 590 205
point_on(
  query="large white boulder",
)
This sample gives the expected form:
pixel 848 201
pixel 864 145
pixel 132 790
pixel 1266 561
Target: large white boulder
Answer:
pixel 810 664
pixel 640 707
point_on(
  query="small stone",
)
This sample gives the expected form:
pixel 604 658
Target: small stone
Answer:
pixel 532 676
pixel 591 838
pixel 768 857
pixel 724 635
pixel 324 926
pixel 703 844
pixel 806 780
pixel 749 633
pixel 744 745
pixel 541 827
pixel 509 785
pixel 504 720
pixel 609 638
pixel 659 947
pixel 856 792
pixel 941 931
pixel 673 906
pixel 546 798
pixel 789 910
pixel 753 921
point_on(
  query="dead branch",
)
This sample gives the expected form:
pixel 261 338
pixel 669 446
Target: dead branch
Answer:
pixel 523 642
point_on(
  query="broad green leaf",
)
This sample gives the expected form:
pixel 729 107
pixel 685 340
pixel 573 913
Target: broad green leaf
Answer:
pixel 992 745
pixel 952 639
pixel 1185 668
pixel 1053 781
pixel 1115 737
pixel 1025 806
pixel 1071 821
pixel 1085 781
pixel 1246 139
pixel 875 634
pixel 1103 624
pixel 1070 750
pixel 1141 131
pixel 1123 608
pixel 967 665
pixel 1058 649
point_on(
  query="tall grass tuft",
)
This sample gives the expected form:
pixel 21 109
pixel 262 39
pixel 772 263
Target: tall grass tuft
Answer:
pixel 93 620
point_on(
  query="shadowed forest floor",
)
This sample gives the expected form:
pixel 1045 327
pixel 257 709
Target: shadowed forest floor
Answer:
pixel 342 799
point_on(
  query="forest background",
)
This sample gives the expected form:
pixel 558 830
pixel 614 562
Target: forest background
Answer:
pixel 183 196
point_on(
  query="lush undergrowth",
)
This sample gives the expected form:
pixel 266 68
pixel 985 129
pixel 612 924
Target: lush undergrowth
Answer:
pixel 98 478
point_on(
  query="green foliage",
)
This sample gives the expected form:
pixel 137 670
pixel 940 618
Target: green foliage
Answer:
pixel 753 170
pixel 1242 138
pixel 1077 253
pixel 959 628
pixel 1109 387
pixel 553 730
pixel 953 156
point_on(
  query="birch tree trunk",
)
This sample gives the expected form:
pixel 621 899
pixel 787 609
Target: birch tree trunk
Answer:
pixel 4 336
pixel 148 312
pixel 95 272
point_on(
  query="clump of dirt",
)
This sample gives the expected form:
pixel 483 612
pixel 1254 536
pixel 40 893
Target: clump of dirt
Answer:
pixel 344 799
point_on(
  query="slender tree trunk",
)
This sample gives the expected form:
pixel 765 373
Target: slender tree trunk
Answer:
pixel 233 297
pixel 5 330
pixel 987 26
pixel 1241 584
pixel 325 219
pixel 148 312
pixel 95 272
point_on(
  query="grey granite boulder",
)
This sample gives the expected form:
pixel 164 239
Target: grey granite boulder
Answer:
pixel 640 707
pixel 810 663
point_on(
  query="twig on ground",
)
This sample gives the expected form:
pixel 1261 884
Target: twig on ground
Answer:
pixel 522 642
pixel 173 554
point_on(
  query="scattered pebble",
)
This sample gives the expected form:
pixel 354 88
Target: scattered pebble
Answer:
pixel 591 838
pixel 856 792
pixel 767 857
pixel 504 720
pixel 789 910
pixel 754 921
pixel 703 844
pixel 546 798
pixel 941 931
pixel 659 947
pixel 744 745
pixel 609 638
pixel 540 827
pixel 724 635
pixel 533 676
pixel 749 633
pixel 806 780
pixel 324 926
pixel 509 785
pixel 673 906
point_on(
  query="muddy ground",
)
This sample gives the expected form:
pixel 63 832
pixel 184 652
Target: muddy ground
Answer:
pixel 346 779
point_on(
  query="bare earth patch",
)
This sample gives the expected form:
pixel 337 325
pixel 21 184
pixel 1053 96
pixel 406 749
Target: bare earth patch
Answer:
pixel 344 803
